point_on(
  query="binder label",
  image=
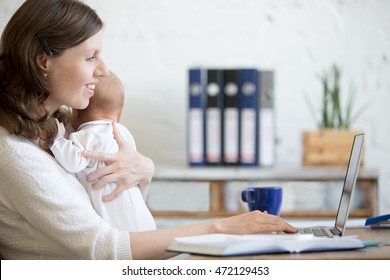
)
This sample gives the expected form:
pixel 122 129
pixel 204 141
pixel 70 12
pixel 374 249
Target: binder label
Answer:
pixel 267 137
pixel 213 131
pixel 196 135
pixel 231 133
pixel 248 143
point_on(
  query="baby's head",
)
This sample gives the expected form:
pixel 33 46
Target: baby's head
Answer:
pixel 106 103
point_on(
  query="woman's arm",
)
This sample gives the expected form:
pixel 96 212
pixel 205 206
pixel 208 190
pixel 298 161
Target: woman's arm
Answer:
pixel 152 244
pixel 127 168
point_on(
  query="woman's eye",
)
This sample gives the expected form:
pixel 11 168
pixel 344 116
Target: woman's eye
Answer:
pixel 91 58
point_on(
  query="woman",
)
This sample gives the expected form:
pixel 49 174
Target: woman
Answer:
pixel 50 58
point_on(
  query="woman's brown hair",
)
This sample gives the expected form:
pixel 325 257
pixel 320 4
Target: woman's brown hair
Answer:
pixel 38 26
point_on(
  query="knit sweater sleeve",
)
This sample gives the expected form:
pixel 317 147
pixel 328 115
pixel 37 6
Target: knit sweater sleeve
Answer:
pixel 46 213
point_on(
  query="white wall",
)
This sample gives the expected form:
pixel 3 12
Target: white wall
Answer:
pixel 150 44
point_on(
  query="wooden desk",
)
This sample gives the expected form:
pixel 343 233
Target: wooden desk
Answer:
pixel 369 253
pixel 217 177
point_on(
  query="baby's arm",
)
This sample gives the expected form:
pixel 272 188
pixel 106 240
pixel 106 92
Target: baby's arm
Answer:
pixel 69 152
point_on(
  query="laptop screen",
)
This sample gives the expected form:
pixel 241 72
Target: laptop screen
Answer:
pixel 349 182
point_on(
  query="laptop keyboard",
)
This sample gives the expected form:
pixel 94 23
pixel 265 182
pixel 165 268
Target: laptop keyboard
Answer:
pixel 320 232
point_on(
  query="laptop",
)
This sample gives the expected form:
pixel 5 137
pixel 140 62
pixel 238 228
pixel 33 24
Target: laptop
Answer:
pixel 346 195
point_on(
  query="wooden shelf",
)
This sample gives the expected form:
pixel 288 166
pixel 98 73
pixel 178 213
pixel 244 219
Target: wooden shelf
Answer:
pixel 217 177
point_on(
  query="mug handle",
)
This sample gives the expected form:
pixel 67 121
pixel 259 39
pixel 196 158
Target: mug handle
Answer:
pixel 248 195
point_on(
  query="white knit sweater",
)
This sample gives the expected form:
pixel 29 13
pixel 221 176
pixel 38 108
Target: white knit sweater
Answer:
pixel 45 213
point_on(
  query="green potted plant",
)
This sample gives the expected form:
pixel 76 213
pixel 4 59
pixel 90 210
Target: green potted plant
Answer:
pixel 331 143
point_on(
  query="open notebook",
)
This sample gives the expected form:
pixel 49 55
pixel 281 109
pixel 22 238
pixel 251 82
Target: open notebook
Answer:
pixel 233 245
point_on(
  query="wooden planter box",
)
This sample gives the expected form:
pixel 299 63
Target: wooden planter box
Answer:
pixel 328 147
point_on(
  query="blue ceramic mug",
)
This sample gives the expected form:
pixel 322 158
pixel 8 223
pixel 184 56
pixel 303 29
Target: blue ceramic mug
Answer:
pixel 264 199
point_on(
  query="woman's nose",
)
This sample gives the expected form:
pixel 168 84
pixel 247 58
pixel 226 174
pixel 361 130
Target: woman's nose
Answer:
pixel 101 69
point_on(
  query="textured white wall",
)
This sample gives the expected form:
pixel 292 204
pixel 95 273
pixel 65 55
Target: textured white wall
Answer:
pixel 150 44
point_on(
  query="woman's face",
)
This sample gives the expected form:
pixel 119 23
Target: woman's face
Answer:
pixel 72 76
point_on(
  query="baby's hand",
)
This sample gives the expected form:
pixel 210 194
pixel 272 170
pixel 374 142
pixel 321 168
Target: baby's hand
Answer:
pixel 61 129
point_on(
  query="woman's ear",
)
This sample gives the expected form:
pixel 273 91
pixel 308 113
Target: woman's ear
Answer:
pixel 43 63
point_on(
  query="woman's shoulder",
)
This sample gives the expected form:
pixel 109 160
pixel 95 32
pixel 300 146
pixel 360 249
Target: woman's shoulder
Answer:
pixel 28 169
pixel 18 152
pixel 10 143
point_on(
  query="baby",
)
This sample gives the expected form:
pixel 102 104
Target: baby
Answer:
pixel 95 132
